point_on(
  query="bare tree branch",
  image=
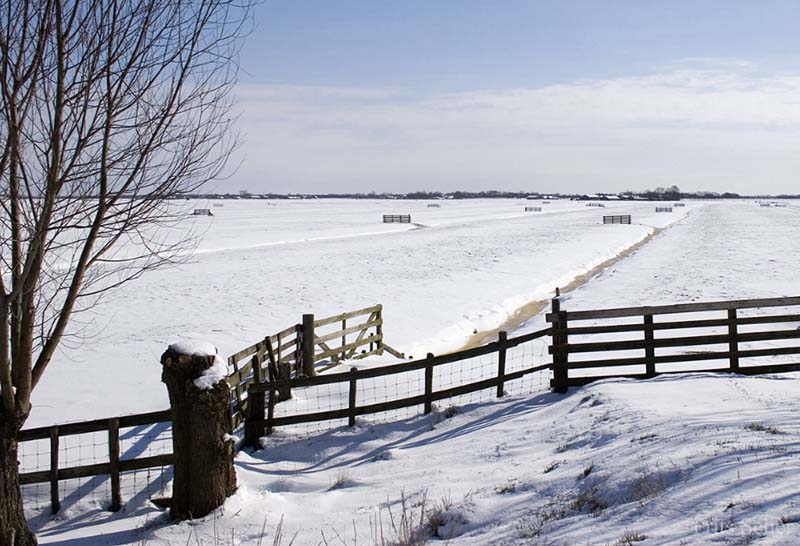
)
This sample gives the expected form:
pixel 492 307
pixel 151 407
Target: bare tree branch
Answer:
pixel 110 111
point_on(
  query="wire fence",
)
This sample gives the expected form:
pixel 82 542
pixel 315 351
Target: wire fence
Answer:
pixel 86 465
pixel 370 395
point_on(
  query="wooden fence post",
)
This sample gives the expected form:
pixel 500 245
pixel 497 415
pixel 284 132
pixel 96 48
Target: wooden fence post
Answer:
pixel 429 383
pixel 649 348
pixel 733 341
pixel 344 339
pixel 113 459
pixel 279 373
pixel 560 357
pixel 55 504
pixel 379 328
pixel 308 346
pixel 298 353
pixel 501 361
pixel 270 408
pixel 254 418
pixel 351 419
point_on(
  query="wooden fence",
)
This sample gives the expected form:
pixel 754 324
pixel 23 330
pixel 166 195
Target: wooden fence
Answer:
pixel 569 340
pixel 618 219
pixel 663 209
pixel 533 209
pixel 739 333
pixel 259 423
pixel 585 347
pixel 115 464
pixel 396 218
pixel 297 350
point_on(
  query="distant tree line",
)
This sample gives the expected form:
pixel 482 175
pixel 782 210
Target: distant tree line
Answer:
pixel 672 193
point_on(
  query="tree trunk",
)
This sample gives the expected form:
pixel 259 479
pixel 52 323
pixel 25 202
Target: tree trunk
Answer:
pixel 204 472
pixel 13 527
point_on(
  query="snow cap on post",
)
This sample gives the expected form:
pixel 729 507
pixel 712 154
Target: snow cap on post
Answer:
pixel 198 361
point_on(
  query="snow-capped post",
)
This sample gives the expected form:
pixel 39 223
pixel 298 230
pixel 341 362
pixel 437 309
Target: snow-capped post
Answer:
pixel 308 346
pixel 202 444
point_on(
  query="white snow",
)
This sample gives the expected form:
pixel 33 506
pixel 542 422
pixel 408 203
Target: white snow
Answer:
pixel 684 460
pixel 464 267
pixel 211 376
pixel 193 348
pixel 691 460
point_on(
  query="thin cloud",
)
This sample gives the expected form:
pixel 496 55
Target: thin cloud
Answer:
pixel 723 126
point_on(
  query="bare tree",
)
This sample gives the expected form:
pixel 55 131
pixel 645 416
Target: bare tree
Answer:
pixel 108 110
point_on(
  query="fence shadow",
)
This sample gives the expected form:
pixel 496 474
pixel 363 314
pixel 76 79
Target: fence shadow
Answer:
pixel 342 441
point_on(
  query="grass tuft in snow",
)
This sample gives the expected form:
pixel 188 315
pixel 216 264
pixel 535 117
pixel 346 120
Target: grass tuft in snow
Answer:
pixel 417 523
pixel 629 538
pixel 406 528
pixel 532 525
pixel 342 479
pixel 589 498
pixel 758 427
pixel 550 467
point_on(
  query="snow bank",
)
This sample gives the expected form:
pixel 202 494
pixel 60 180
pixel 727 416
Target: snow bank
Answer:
pixel 694 460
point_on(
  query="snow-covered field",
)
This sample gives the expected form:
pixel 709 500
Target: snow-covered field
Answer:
pixel 464 266
pixel 681 460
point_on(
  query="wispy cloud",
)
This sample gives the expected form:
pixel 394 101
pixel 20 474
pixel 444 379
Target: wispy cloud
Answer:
pixel 698 123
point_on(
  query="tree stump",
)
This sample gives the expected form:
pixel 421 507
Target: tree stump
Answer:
pixel 203 448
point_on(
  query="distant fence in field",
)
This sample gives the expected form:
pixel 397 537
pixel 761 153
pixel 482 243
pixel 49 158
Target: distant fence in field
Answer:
pixel 396 218
pixel 663 209
pixel 679 205
pixel 584 346
pixel 617 219
pixel 433 205
pixel 599 205
pixel 533 209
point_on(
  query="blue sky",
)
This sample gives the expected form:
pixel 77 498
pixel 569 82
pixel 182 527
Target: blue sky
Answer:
pixel 551 96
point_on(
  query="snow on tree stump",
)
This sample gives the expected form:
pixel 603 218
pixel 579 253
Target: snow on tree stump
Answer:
pixel 202 445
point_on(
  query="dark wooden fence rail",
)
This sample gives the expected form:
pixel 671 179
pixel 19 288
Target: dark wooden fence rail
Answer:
pixel 112 468
pixel 396 218
pixel 259 423
pixel 567 326
pixel 617 219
